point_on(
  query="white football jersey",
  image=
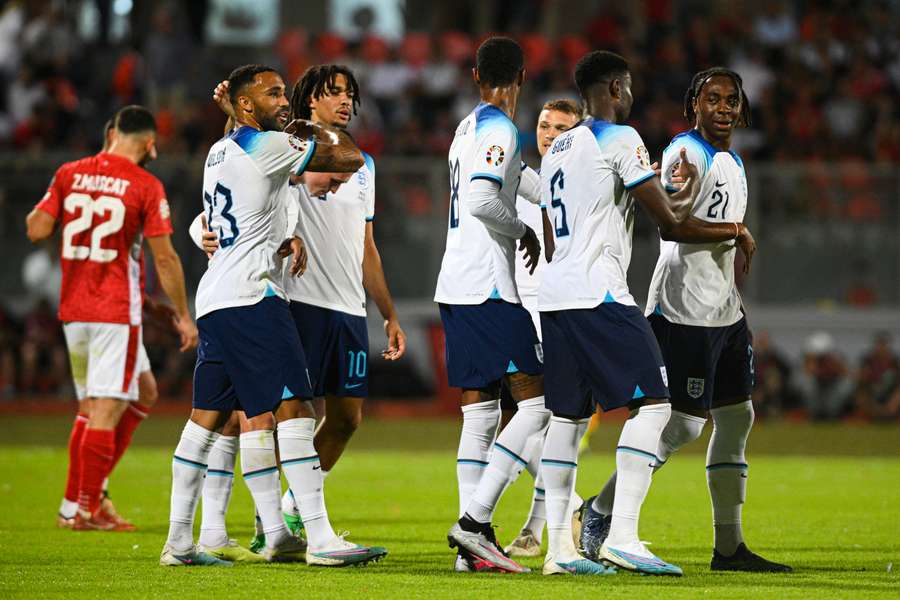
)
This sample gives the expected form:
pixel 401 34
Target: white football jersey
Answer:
pixel 333 227
pixel 528 284
pixel 693 284
pixel 245 191
pixel 479 263
pixel 585 178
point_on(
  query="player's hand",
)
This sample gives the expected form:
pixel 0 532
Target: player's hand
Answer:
pixel 187 331
pixel 209 238
pixel 747 245
pixel 396 340
pixel 656 169
pixel 684 171
pixel 532 249
pixel 222 100
pixel 297 249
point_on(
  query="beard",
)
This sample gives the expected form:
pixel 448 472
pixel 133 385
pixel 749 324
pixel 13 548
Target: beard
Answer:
pixel 271 122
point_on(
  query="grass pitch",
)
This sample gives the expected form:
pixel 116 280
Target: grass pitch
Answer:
pixel 834 518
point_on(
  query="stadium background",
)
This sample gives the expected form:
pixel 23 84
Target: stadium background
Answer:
pixel 822 159
pixel 823 80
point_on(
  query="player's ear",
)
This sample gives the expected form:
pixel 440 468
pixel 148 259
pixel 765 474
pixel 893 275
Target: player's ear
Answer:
pixel 615 88
pixel 521 78
pixel 475 76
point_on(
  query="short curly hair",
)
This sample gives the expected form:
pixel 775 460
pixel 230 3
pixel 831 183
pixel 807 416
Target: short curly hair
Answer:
pixel 499 61
pixel 596 67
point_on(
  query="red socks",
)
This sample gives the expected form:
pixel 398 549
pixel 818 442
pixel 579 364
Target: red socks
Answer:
pixel 97 450
pixel 74 478
pixel 131 418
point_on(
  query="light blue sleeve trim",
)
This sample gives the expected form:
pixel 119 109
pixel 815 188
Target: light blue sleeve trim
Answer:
pixel 489 176
pixel 671 189
pixel 370 219
pixel 370 163
pixel 309 155
pixel 633 184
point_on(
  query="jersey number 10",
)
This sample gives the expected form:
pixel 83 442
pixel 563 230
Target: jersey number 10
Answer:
pixel 90 207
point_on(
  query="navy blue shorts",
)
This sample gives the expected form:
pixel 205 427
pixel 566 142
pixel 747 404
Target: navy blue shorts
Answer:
pixel 605 355
pixel 249 358
pixel 488 340
pixel 705 363
pixel 337 348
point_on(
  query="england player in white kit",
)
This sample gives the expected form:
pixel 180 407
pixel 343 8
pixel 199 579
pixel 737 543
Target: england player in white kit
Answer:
pixel 250 357
pixel 556 116
pixel 336 221
pixel 697 316
pixel 489 336
pixel 599 348
pixel 329 302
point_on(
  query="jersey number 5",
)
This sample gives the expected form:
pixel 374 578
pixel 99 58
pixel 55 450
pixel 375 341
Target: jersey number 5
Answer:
pixel 558 179
pixel 221 200
pixel 90 207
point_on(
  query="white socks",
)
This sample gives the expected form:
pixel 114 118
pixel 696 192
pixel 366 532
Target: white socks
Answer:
pixel 301 467
pixel 635 461
pixel 558 467
pixel 537 515
pixel 726 472
pixel 681 430
pixel 261 476
pixel 507 460
pixel 217 491
pixel 188 471
pixel 479 428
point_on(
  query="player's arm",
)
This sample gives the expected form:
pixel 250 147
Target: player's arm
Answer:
pixel 486 206
pixel 549 240
pixel 530 185
pixel 335 151
pixel 171 277
pixel 41 221
pixel 39 225
pixel 687 228
pixel 376 286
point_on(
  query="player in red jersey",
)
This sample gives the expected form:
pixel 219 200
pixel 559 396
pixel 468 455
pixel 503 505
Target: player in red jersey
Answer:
pixel 106 204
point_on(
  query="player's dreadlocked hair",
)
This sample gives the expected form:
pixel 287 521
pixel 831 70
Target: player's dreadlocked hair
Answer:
pixel 315 83
pixel 499 61
pixel 697 83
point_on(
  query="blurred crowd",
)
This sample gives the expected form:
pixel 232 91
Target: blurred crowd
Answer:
pixel 822 77
pixel 822 386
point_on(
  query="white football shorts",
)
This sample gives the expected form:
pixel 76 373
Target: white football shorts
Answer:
pixel 106 359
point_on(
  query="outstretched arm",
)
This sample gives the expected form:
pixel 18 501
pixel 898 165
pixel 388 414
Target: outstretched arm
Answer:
pixel 171 277
pixel 336 152
pixel 677 224
pixel 376 286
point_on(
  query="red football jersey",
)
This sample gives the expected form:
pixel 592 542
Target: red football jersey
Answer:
pixel 106 205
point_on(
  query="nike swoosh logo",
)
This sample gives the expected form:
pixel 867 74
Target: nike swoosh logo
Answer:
pixel 720 184
pixel 355 385
pixel 316 468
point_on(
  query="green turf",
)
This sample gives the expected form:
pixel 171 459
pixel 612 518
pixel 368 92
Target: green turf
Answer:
pixel 833 518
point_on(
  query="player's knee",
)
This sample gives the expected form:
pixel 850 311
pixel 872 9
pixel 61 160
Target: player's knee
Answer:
pixel 737 417
pixel 148 392
pixel 348 421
